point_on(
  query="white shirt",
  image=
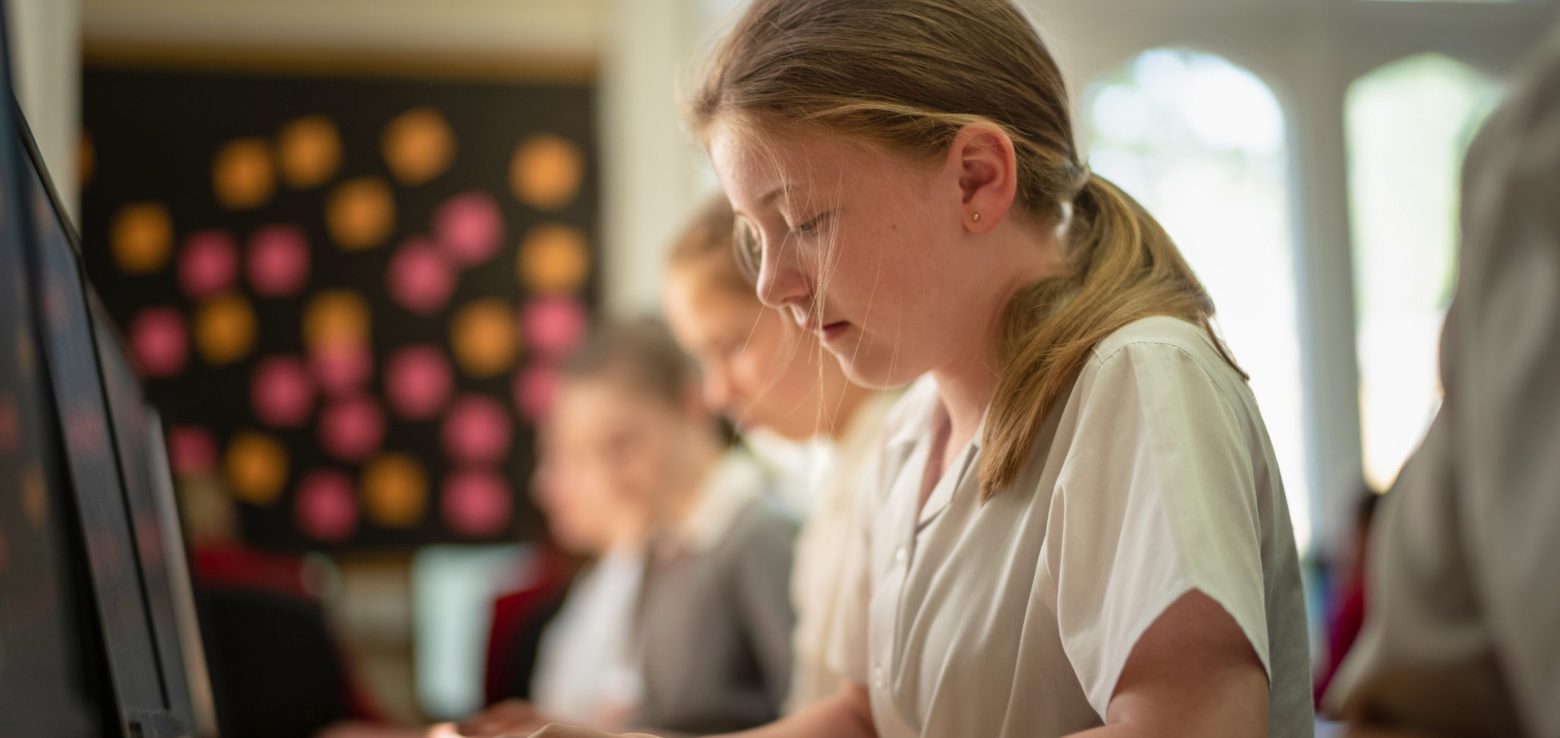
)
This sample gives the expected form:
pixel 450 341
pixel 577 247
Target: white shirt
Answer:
pixel 1013 618
pixel 587 668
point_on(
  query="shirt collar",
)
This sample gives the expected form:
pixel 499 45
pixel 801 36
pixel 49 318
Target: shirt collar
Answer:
pixel 919 408
pixel 913 416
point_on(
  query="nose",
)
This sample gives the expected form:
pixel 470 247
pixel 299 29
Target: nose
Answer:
pixel 781 282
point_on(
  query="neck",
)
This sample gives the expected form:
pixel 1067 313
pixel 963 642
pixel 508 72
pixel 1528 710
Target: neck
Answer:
pixel 629 534
pixel 1021 255
pixel 966 390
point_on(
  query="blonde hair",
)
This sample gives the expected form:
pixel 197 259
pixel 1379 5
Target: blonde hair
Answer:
pixel 908 75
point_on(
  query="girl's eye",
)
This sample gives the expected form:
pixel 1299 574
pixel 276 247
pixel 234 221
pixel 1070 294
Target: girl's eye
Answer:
pixel 811 227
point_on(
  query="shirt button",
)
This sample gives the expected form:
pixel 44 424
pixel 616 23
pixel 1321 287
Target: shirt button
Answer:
pixel 877 677
pixel 901 555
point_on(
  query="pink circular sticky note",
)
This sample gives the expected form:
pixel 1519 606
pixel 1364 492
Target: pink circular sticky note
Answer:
pixel 208 265
pixel 419 278
pixel 326 506
pixel 476 503
pixel 278 261
pixel 418 381
pixel 476 430
pixel 191 450
pixel 342 368
pixel 282 391
pixel 158 344
pixel 534 388
pixel 469 227
pixel 553 325
pixel 352 428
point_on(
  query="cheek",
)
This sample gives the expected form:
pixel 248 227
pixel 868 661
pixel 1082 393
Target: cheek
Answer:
pixel 753 368
pixel 877 274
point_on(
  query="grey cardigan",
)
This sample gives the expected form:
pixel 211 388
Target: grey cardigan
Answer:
pixel 715 617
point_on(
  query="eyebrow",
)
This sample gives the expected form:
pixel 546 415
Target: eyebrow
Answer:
pixel 774 193
pixel 767 197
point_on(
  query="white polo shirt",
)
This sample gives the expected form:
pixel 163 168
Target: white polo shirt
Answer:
pixel 1013 618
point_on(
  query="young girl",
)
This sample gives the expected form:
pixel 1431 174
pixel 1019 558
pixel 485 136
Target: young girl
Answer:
pixel 1078 526
pixel 766 374
pixel 684 623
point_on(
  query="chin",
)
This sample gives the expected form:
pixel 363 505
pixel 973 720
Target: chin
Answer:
pixel 877 370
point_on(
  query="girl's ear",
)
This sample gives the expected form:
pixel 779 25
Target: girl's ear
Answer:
pixel 983 158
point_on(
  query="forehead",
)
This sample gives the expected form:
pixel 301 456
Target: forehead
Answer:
pixel 756 164
pixel 583 405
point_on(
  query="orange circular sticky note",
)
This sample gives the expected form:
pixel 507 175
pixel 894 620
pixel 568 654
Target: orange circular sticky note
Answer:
pixel 418 145
pixel 336 318
pixel 545 171
pixel 242 175
pixel 256 468
pixel 553 259
pixel 309 151
pixel 485 337
pixel 141 236
pixel 360 213
pixel 35 497
pixel 395 491
pixel 225 329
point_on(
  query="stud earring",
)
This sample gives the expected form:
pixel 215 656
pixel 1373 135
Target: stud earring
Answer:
pixel 975 217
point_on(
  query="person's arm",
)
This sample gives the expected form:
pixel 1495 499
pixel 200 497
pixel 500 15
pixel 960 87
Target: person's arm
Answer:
pixel 1193 673
pixel 845 715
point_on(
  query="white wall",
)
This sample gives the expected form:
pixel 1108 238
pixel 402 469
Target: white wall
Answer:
pixel 46 55
pixel 651 167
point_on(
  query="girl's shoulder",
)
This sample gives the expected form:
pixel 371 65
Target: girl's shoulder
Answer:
pixel 1159 334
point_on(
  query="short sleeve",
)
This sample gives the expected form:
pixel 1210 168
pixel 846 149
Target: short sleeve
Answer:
pixel 1156 498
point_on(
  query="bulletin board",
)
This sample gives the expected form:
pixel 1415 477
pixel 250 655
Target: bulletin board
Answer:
pixel 347 295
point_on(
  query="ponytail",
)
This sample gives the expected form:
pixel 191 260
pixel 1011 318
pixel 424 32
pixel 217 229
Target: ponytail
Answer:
pixel 1121 267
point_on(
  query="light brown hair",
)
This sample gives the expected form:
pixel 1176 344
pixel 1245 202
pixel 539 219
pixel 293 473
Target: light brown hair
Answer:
pixel 641 354
pixel 907 75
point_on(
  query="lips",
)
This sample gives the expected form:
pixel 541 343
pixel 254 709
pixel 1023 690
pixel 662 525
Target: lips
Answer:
pixel 826 330
pixel 832 332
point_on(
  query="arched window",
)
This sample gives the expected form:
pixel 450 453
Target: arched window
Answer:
pixel 1201 142
pixel 1408 125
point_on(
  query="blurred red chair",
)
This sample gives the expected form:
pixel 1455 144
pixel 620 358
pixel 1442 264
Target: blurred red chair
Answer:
pixel 519 619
